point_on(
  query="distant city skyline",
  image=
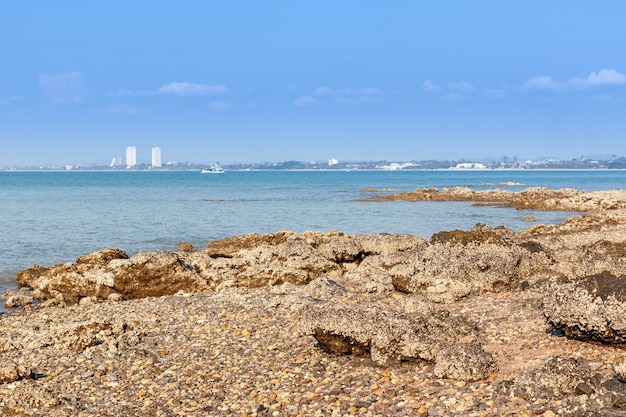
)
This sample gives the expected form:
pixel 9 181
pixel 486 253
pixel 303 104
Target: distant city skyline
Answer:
pixel 351 80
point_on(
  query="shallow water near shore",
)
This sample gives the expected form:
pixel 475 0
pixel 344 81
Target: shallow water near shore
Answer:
pixel 50 217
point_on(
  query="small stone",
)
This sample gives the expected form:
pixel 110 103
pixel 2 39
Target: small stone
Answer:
pixel 465 362
pixel 8 373
pixel 620 368
pixel 114 297
pixel 87 301
pixel 18 300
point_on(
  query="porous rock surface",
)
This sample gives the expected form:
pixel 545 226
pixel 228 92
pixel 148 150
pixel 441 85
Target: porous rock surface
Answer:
pixel 386 334
pixel 581 391
pixel 109 271
pixel 465 362
pixel 538 198
pixel 591 308
pixel 446 268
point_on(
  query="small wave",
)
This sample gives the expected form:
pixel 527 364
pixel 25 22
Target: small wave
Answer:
pixel 511 184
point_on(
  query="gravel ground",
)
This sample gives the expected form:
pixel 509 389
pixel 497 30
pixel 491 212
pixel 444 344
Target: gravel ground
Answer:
pixel 240 354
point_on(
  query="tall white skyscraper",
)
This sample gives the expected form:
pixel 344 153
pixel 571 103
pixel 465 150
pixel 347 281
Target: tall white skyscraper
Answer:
pixel 156 157
pixel 131 157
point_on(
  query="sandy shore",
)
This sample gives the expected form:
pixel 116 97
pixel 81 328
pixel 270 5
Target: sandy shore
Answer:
pixel 239 351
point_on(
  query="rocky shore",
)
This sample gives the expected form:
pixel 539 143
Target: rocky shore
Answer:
pixel 483 322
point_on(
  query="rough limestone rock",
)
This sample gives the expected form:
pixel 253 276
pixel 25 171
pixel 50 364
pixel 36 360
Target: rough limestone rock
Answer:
pixel 598 257
pixel 324 288
pixel 343 249
pixel 230 246
pixel 385 244
pixel 294 260
pixel 11 372
pixel 373 281
pixel 579 389
pixel 455 264
pixel 17 299
pixel 536 198
pixel 108 271
pixel 76 336
pixel 419 305
pixel 385 334
pixel 559 377
pixel 591 308
pixel 450 266
pixel 26 397
pixel 465 362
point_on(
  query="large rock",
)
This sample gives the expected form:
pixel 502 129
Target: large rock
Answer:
pixel 580 390
pixel 455 264
pixel 558 378
pixel 591 308
pixel 111 271
pixel 448 267
pixel 294 260
pixel 249 261
pixel 596 258
pixel 389 336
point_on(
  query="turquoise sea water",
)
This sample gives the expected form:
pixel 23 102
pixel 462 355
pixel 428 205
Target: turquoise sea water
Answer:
pixel 49 217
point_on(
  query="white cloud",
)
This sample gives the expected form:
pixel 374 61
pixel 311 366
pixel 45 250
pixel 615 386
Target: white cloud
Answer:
pixel 602 77
pixel 430 86
pixel 323 91
pixel 541 83
pixel 305 101
pixel 62 88
pixel 461 86
pixel 191 89
pixel 220 105
pixel 347 95
pixel 361 91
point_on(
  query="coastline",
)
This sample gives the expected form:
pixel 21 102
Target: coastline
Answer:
pixel 236 346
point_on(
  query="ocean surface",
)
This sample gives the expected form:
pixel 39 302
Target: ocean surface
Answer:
pixel 50 217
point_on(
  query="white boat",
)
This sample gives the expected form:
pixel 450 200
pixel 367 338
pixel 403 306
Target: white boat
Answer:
pixel 213 169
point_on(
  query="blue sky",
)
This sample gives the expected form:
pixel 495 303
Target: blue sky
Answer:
pixel 254 81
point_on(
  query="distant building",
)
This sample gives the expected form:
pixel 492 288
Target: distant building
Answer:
pixel 116 162
pixel 332 162
pixel 470 165
pixel 156 157
pixel 131 157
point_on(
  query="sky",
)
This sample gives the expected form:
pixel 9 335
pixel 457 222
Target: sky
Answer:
pixel 271 81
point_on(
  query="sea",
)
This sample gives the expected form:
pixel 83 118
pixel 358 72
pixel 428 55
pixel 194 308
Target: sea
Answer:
pixel 51 217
